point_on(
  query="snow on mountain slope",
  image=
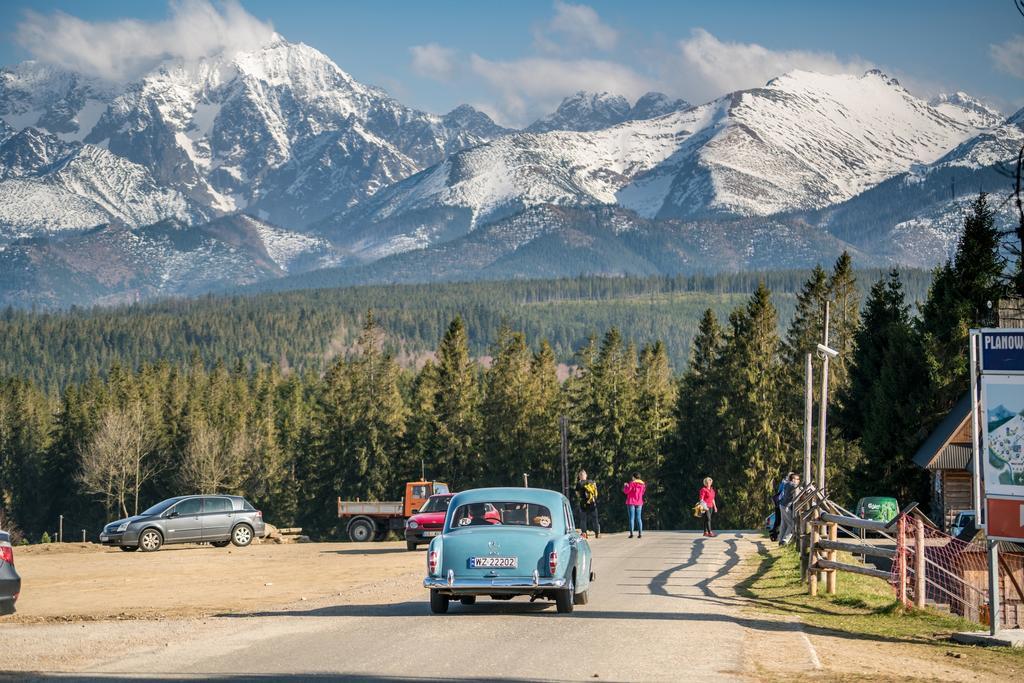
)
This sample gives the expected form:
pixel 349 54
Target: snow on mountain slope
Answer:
pixel 968 110
pixel 803 141
pixel 50 185
pixel 999 144
pixel 267 130
pixel 64 103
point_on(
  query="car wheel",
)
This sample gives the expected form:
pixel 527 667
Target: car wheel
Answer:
pixel 361 530
pixel 468 599
pixel 241 535
pixel 438 602
pixel 410 545
pixel 564 597
pixel 581 598
pixel 129 548
pixel 150 541
pixel 220 544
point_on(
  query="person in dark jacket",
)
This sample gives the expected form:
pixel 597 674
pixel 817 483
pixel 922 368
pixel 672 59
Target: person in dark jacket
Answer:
pixel 776 498
pixel 586 504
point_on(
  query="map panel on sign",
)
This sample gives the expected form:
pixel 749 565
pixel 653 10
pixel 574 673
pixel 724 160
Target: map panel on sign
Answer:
pixel 1003 434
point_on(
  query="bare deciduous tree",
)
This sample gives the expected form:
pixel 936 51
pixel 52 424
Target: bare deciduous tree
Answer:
pixel 212 462
pixel 115 462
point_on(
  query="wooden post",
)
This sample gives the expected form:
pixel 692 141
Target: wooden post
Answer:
pixel 812 572
pixel 919 567
pixel 830 577
pixel 901 546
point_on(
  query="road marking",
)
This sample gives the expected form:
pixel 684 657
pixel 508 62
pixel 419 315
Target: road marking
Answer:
pixel 810 649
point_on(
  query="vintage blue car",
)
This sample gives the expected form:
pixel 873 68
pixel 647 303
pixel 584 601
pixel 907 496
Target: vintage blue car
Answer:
pixel 504 542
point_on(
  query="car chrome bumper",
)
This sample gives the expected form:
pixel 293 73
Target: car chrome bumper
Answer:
pixel 518 583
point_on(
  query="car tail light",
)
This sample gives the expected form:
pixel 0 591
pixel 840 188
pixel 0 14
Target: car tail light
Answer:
pixel 432 558
pixel 259 514
pixel 552 562
pixel 7 554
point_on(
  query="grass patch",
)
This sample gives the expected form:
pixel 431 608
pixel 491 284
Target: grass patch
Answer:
pixel 863 607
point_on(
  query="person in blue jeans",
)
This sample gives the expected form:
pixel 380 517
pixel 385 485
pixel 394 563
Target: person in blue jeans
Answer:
pixel 634 491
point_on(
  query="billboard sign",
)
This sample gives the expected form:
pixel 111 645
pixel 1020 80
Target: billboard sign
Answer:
pixel 1002 351
pixel 1002 434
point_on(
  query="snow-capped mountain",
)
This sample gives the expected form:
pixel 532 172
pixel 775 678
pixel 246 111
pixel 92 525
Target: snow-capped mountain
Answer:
pixel 915 218
pixel 804 141
pixel 655 104
pixel 280 131
pixel 584 111
pixel 47 185
pixel 588 111
pixel 56 100
pixel 968 110
pixel 247 166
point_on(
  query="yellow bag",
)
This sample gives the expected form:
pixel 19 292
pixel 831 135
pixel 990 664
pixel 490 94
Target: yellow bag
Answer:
pixel 698 510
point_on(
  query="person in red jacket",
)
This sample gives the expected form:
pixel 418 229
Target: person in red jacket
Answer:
pixel 707 500
pixel 634 491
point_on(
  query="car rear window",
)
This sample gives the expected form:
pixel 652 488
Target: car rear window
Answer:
pixel 218 505
pixel 506 513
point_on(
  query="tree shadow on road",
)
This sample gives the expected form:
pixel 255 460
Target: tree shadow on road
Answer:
pixel 242 678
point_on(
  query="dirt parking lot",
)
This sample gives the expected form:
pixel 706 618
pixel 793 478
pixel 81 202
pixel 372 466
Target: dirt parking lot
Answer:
pixel 73 582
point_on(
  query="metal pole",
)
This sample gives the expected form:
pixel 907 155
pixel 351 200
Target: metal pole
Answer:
pixel 975 428
pixel 526 480
pixel 83 535
pixel 808 417
pixel 60 530
pixel 565 455
pixel 993 587
pixel 823 407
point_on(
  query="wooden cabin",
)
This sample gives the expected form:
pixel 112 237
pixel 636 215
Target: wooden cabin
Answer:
pixel 946 454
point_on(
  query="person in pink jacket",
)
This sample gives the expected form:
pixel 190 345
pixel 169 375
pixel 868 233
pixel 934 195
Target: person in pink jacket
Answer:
pixel 708 505
pixel 634 491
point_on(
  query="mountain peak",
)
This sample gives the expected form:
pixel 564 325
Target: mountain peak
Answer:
pixel 654 104
pixel 966 109
pixel 884 77
pixel 584 111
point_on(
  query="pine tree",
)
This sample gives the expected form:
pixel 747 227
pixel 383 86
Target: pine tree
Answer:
pixel 965 293
pixel 506 410
pixel 654 424
pixel 844 320
pixel 697 424
pixel 456 429
pixel 754 448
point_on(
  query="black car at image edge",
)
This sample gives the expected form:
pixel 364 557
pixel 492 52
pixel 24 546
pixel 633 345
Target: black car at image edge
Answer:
pixel 214 519
pixel 10 582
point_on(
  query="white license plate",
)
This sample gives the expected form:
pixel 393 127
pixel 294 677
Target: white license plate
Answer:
pixel 104 537
pixel 431 533
pixel 493 562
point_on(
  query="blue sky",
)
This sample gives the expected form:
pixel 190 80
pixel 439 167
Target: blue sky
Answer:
pixel 517 59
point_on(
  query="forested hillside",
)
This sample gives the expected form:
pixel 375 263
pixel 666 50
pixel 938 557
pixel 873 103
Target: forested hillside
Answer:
pixel 306 330
pixel 292 441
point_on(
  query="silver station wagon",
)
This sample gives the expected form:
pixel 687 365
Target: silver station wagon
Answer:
pixel 217 520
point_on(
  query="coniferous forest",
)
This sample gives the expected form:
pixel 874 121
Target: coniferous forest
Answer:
pixel 296 398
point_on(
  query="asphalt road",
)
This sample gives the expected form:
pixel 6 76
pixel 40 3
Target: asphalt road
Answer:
pixel 664 607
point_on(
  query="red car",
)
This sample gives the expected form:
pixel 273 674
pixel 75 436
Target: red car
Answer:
pixel 427 523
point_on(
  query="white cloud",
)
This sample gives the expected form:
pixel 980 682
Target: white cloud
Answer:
pixel 712 67
pixel 124 49
pixel 579 26
pixel 534 86
pixel 1009 56
pixel 434 61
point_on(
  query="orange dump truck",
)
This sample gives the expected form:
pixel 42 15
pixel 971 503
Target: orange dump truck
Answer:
pixel 371 521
